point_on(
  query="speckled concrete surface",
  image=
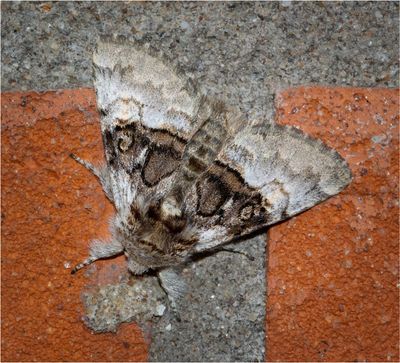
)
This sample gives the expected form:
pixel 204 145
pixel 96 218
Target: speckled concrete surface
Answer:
pixel 222 315
pixel 242 52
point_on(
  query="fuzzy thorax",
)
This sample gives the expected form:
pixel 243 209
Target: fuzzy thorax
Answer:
pixel 153 238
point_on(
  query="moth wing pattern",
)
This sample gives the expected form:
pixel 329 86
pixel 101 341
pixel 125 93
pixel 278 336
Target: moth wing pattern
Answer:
pixel 263 175
pixel 135 82
pixel 149 110
pixel 184 172
pixel 154 124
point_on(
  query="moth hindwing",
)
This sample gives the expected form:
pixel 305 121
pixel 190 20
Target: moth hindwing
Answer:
pixel 184 172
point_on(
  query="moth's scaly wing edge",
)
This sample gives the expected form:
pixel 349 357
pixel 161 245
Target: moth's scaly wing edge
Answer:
pixel 274 172
pixel 138 67
pixel 155 92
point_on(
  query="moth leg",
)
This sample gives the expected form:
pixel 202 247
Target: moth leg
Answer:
pixel 227 249
pixel 173 285
pixel 100 250
pixel 100 173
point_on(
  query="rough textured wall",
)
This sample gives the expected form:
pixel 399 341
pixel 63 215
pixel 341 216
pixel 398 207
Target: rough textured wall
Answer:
pixel 244 52
pixel 50 209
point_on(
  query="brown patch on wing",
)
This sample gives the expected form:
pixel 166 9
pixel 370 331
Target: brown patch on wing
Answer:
pixel 161 161
pixel 230 177
pixel 163 156
pixel 212 193
pixel 165 137
pixel 155 153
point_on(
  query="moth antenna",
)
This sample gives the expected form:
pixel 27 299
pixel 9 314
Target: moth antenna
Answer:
pixel 89 166
pixel 98 250
pixel 231 250
pixel 100 173
pixel 81 265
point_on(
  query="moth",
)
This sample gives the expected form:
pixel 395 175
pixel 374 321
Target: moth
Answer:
pixel 185 172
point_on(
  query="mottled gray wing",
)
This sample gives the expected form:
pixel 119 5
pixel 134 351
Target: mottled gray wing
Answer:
pixel 265 174
pixel 149 111
pixel 136 84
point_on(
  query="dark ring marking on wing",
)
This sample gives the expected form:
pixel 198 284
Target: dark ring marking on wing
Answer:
pixel 126 137
pixel 246 211
pixel 123 145
pixel 252 210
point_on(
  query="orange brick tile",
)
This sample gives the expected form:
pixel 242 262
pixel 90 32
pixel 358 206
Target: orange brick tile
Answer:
pixel 51 207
